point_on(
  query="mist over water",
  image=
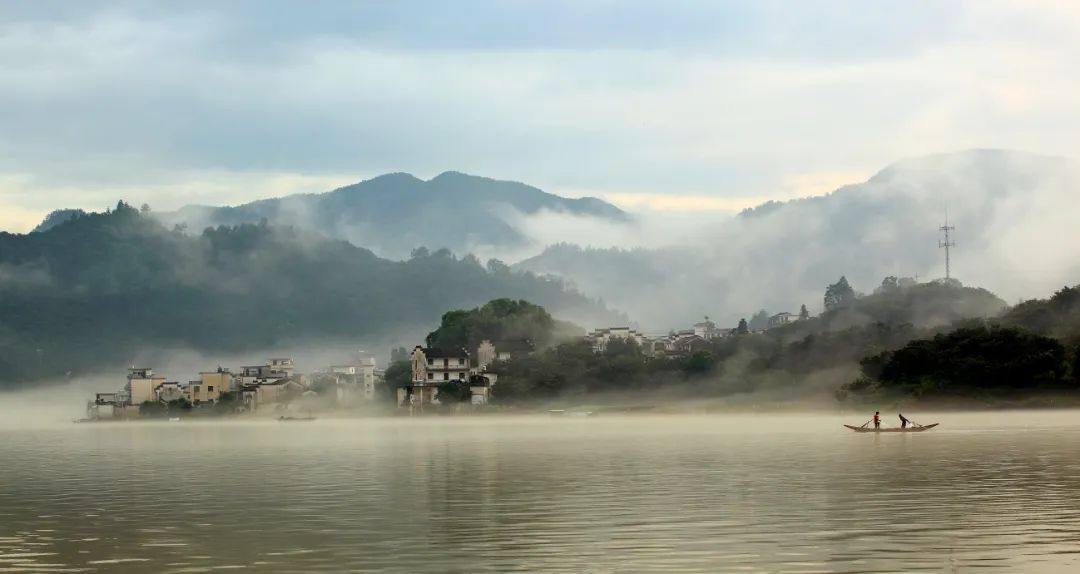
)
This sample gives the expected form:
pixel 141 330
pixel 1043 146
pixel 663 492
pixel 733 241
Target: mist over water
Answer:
pixel 777 493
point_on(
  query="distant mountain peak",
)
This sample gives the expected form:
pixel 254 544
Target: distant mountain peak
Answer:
pixel 397 212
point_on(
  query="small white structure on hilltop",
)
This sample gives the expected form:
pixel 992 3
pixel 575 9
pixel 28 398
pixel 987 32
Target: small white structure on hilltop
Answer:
pixel 781 319
pixel 707 330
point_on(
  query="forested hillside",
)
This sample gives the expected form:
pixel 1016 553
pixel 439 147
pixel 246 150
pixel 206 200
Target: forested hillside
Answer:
pixel 91 292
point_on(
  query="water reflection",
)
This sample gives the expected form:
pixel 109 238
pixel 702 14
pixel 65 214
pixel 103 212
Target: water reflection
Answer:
pixel 679 494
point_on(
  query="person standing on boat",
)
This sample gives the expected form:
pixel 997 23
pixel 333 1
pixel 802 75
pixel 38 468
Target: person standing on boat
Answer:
pixel 903 421
pixel 877 419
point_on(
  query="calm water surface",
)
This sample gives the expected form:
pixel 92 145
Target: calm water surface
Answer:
pixel 650 494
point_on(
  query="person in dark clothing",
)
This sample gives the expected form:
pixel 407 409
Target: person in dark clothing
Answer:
pixel 903 422
pixel 877 419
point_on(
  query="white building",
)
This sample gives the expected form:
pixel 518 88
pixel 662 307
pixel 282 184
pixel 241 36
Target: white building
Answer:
pixel 781 319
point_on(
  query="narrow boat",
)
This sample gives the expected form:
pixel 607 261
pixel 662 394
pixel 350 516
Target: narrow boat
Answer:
pixel 917 428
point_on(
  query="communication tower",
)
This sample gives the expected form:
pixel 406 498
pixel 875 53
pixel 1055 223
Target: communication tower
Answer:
pixel 947 243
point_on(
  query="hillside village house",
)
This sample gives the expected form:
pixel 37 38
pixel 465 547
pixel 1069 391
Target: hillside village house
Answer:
pixel 707 330
pixel 600 337
pixel 355 381
pixel 261 384
pixel 432 367
pixel 781 319
pixel 142 384
pixel 210 386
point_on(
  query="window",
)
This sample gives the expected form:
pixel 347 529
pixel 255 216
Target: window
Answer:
pixel 210 389
pixel 431 362
pixel 446 362
pixel 461 376
pixel 431 376
pixel 461 361
pixel 446 376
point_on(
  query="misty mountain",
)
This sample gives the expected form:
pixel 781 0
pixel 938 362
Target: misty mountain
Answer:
pixel 395 213
pixel 56 218
pixel 104 290
pixel 1014 215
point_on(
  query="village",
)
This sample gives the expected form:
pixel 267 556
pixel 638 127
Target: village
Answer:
pixel 271 388
pixel 276 388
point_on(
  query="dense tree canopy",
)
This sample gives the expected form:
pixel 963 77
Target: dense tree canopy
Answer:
pixel 839 294
pixel 500 320
pixel 971 359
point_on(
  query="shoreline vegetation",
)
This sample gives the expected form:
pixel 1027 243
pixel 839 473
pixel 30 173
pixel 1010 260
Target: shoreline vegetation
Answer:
pixel 908 346
pixel 913 346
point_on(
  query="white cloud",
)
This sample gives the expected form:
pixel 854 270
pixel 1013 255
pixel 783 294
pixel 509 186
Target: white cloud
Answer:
pixel 162 104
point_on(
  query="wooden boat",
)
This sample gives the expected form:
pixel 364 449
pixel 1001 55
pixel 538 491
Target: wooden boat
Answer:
pixel 915 428
pixel 292 419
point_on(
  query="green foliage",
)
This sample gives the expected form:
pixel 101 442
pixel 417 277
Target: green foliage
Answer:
pixel 804 314
pixel 760 321
pixel 398 374
pixel 1058 316
pixel 500 320
pixel 889 285
pixel 227 404
pixel 454 392
pixel 153 409
pixel 839 294
pixel 993 359
pixel 399 354
pixel 743 328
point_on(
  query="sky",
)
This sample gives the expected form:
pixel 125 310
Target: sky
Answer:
pixel 664 106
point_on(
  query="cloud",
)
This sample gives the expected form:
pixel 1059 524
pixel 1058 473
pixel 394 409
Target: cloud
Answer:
pixel 733 101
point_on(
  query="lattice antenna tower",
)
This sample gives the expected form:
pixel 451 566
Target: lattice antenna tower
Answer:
pixel 947 243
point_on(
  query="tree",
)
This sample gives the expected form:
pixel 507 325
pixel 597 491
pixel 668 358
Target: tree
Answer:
pixel 496 267
pixel 454 392
pixel 969 359
pixel 803 313
pixel 760 321
pixel 839 294
pixel 155 409
pixel 399 354
pixel 398 375
pixel 889 284
pixel 699 363
pixel 743 328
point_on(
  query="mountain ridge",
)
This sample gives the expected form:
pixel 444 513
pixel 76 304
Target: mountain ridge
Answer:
pixel 781 254
pixel 395 213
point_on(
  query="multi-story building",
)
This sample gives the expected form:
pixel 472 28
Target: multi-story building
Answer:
pixel 141 385
pixel 432 367
pixel 273 370
pixel 440 365
pixel 211 385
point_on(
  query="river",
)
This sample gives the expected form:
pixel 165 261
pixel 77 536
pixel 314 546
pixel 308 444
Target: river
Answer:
pixel 721 493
